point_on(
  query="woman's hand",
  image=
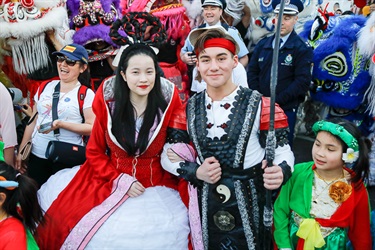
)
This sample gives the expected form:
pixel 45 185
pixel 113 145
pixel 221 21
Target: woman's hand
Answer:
pixel 20 164
pixel 26 109
pixel 54 125
pixel 136 189
pixel 52 37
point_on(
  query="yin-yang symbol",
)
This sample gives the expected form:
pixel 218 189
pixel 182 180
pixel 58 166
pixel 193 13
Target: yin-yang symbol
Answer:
pixel 224 193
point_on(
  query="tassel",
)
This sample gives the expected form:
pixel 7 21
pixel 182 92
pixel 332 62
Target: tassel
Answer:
pixel 30 55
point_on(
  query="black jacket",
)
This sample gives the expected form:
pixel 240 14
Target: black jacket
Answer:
pixel 294 70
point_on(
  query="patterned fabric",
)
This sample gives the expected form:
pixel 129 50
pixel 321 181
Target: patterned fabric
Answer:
pixel 352 218
pixel 232 209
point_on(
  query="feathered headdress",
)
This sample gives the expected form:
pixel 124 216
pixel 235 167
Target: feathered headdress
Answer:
pixel 91 19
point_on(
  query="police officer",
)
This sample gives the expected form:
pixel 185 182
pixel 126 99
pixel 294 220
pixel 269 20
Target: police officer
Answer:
pixel 294 64
pixel 212 12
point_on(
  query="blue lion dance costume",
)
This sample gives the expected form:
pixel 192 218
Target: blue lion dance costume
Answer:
pixel 340 72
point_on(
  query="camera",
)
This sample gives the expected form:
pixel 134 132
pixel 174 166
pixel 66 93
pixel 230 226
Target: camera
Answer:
pixel 45 127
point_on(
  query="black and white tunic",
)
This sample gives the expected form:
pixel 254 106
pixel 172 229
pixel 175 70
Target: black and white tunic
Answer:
pixel 232 209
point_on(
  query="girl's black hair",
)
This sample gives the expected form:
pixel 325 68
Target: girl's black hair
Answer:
pixel 123 127
pixel 362 166
pixel 25 195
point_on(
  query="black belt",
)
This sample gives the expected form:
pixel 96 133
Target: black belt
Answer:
pixel 243 174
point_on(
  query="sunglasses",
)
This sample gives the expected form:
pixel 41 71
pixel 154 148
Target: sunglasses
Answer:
pixel 70 62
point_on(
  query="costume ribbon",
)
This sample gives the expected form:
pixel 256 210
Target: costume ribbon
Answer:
pixel 309 230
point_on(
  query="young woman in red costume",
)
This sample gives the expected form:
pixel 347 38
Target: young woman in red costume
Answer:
pixel 325 203
pixel 126 195
pixel 19 208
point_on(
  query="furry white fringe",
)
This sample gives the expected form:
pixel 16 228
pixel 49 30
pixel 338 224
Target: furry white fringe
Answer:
pixel 366 46
pixel 54 19
pixel 30 55
pixel 366 38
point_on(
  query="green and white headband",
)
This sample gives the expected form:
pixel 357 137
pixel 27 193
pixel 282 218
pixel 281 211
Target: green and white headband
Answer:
pixel 337 130
pixel 352 153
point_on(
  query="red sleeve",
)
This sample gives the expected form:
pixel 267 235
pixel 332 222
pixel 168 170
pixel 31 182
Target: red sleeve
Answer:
pixel 178 118
pixel 97 146
pixel 12 235
pixel 359 228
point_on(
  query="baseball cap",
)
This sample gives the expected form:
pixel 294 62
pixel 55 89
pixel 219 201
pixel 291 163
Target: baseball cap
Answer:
pixel 292 7
pixel 219 3
pixel 74 52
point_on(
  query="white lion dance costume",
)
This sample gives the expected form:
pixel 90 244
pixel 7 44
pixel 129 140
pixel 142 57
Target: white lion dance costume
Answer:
pixel 366 45
pixel 23 30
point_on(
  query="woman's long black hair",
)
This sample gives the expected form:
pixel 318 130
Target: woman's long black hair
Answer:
pixel 123 120
pixel 24 196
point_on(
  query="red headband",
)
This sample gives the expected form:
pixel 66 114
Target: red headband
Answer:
pixel 219 42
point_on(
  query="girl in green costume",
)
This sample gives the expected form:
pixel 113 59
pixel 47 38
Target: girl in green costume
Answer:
pixel 19 209
pixel 325 203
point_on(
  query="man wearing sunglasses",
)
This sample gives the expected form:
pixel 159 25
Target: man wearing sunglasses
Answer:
pixel 70 124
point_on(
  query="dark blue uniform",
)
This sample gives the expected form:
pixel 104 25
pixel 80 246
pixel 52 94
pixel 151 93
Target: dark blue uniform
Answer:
pixel 294 73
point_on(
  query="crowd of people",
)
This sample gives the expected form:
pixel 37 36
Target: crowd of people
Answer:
pixel 214 170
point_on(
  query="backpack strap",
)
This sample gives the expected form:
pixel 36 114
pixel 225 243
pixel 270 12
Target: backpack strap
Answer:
pixel 42 86
pixel 80 95
pixel 81 99
pixel 55 102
